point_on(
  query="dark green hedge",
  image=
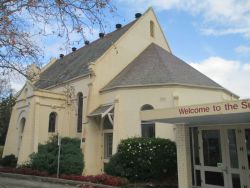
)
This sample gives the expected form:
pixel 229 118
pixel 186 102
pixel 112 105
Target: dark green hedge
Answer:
pixel 71 160
pixel 144 158
pixel 9 161
pixel 1 152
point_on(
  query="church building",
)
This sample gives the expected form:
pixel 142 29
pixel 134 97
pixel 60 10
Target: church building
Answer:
pixel 97 93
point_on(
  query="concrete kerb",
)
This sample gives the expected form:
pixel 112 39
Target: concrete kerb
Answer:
pixel 52 180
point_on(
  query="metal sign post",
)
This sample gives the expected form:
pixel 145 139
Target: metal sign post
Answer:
pixel 58 156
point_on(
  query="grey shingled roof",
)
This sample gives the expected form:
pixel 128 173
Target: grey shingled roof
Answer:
pixel 101 109
pixel 155 66
pixel 76 63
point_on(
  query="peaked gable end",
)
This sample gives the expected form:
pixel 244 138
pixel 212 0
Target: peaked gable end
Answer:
pixel 156 66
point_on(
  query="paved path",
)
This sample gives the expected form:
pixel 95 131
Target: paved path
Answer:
pixel 6 182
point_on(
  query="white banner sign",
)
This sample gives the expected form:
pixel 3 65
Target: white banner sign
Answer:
pixel 239 106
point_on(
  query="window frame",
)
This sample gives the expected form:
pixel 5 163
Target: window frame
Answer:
pixel 108 130
pixel 52 127
pixel 79 112
pixel 152 28
pixel 108 152
pixel 147 127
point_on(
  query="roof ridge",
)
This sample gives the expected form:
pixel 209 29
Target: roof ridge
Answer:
pixel 76 63
pixel 97 39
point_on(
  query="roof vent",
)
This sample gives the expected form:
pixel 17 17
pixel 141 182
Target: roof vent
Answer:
pixel 86 42
pixel 118 26
pixel 73 49
pixel 101 35
pixel 61 56
pixel 137 15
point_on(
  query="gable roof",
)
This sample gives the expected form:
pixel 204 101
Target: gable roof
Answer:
pixel 76 63
pixel 156 66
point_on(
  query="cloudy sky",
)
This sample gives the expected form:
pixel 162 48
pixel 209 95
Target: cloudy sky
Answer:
pixel 213 36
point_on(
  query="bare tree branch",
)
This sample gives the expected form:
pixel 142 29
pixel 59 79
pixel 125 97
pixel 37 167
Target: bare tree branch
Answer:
pixel 23 20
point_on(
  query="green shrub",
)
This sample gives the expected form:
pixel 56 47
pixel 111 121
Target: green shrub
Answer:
pixel 144 158
pixel 71 159
pixel 9 161
pixel 1 152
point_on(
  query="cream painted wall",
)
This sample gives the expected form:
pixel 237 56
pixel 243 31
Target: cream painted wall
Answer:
pixel 130 101
pixel 92 147
pixel 35 107
pixel 79 85
pixel 124 51
pixel 200 96
pixel 22 109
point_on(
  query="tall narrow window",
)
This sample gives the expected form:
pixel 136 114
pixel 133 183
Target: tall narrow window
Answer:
pixel 20 135
pixel 22 124
pixel 52 122
pixel 147 127
pixel 79 113
pixel 108 137
pixel 108 145
pixel 152 29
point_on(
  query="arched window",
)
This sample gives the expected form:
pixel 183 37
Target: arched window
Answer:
pixel 147 127
pixel 22 125
pixel 52 122
pixel 152 29
pixel 79 113
pixel 20 135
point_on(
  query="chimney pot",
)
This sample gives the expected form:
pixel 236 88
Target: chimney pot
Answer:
pixel 118 26
pixel 86 42
pixel 101 35
pixel 137 15
pixel 61 56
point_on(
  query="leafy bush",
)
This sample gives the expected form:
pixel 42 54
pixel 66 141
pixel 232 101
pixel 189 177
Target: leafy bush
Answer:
pixel 1 152
pixel 9 160
pixel 6 105
pixel 71 159
pixel 144 158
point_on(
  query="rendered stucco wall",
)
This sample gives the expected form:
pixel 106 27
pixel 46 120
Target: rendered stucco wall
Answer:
pixel 183 157
pixel 35 108
pixel 123 52
pixel 131 100
pixel 79 85
pixel 37 105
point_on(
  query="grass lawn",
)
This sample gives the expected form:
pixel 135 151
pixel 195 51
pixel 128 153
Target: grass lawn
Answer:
pixel 1 151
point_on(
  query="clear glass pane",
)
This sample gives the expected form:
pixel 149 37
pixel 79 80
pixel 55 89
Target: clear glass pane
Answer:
pixel 236 181
pixel 196 147
pixel 233 148
pixel 247 136
pixel 211 147
pixel 108 144
pixel 148 130
pixel 214 178
pixel 198 177
pixel 107 124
